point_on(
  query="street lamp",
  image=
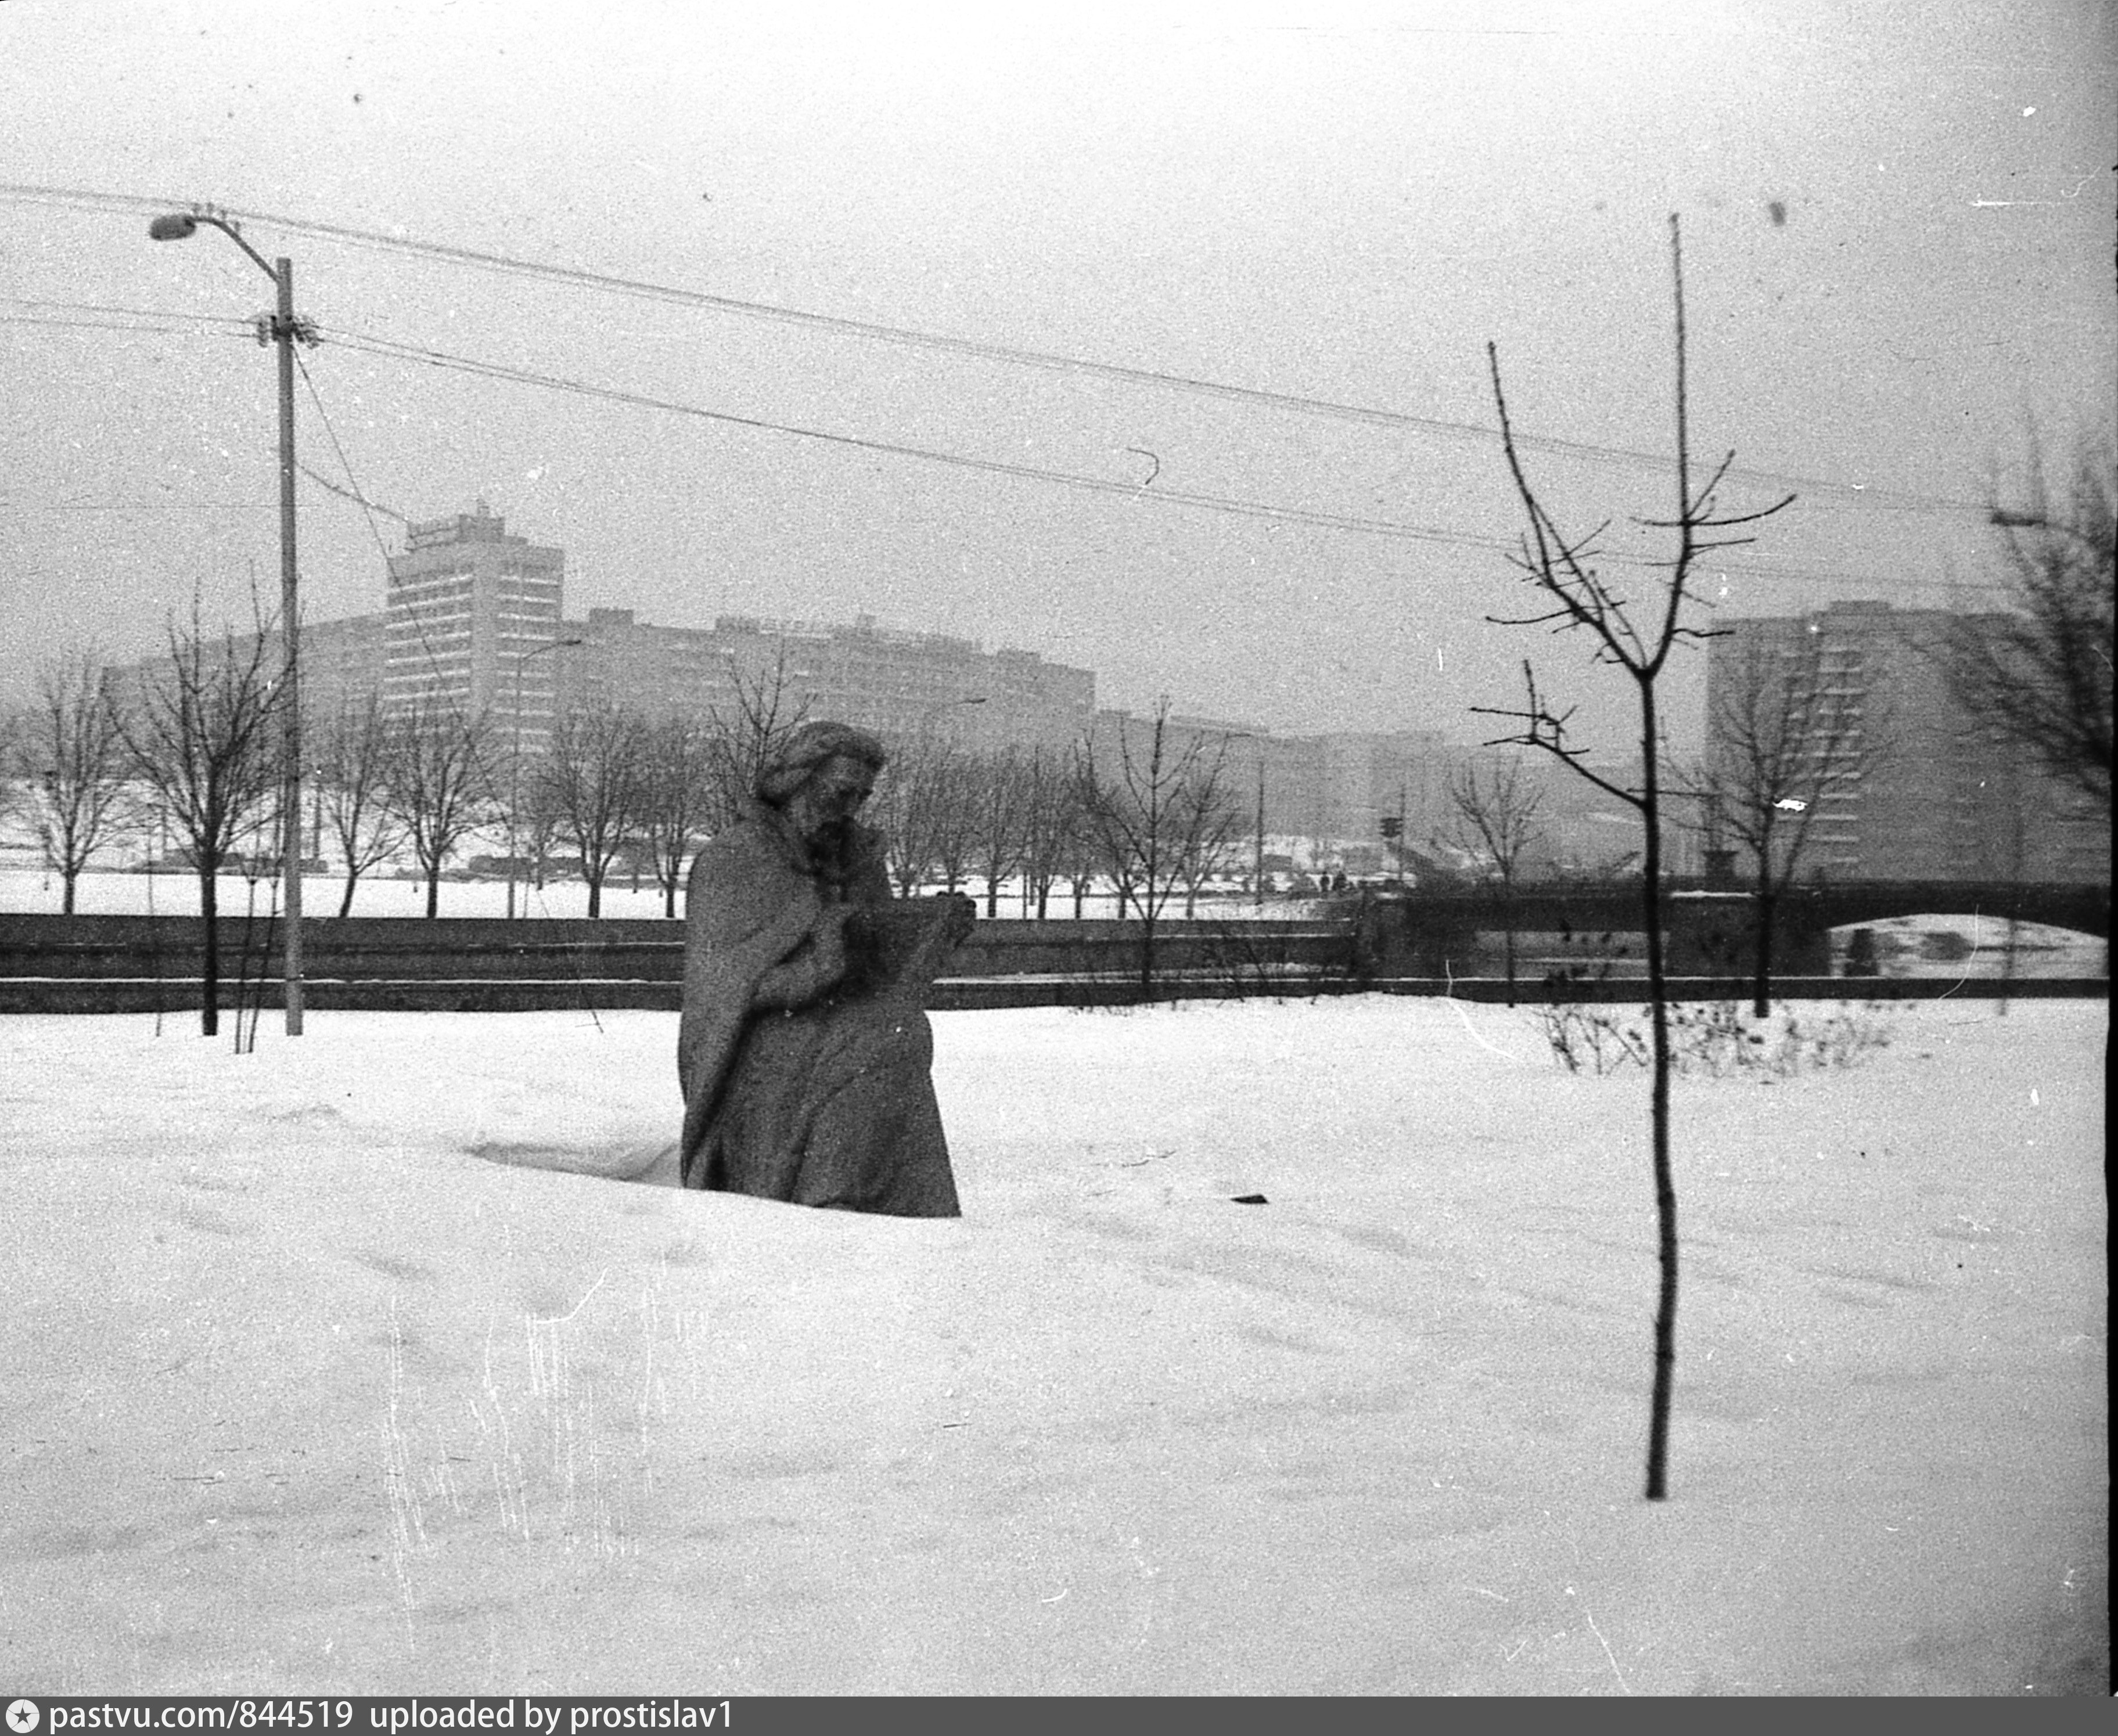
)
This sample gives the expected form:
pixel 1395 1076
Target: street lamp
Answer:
pixel 281 328
pixel 515 759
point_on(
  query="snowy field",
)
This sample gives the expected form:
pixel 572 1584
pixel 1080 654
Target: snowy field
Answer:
pixel 324 1374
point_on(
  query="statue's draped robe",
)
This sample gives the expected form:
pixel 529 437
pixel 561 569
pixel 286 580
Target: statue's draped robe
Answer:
pixel 807 1068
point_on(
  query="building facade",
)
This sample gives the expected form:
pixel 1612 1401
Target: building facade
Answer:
pixel 1923 789
pixel 469 613
pixel 474 621
pixel 895 683
pixel 1337 801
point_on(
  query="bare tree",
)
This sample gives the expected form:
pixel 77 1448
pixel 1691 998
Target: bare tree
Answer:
pixel 893 807
pixel 1210 818
pixel 680 798
pixel 437 783
pixel 1106 849
pixel 11 726
pixel 2042 672
pixel 595 776
pixel 1052 820
pixel 1078 856
pixel 999 790
pixel 67 761
pixel 201 732
pixel 952 817
pixel 925 802
pixel 902 807
pixel 764 711
pixel 1783 742
pixel 1151 815
pixel 1495 821
pixel 1581 598
pixel 348 758
pixel 539 826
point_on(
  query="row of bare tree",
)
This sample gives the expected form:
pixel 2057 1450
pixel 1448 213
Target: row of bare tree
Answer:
pixel 189 754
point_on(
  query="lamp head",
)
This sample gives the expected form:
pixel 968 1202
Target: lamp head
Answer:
pixel 176 227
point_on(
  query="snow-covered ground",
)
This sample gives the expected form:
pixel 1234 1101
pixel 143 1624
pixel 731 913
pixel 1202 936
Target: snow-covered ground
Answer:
pixel 97 894
pixel 343 1366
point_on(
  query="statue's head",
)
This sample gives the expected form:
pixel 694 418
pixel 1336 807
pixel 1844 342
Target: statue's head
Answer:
pixel 819 776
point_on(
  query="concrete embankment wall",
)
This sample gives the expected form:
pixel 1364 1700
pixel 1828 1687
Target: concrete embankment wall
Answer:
pixel 114 964
pixel 150 963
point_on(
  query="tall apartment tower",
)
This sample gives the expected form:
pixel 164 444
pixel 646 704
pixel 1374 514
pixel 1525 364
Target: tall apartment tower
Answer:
pixel 467 615
pixel 1940 794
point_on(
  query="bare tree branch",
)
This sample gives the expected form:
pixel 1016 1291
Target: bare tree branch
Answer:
pixel 66 754
pixel 1783 743
pixel 201 730
pixel 2042 672
pixel 1153 815
pixel 437 783
pixel 348 758
pixel 1559 570
pixel 594 778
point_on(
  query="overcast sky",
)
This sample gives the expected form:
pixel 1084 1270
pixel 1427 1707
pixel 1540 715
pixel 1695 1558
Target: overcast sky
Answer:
pixel 1898 231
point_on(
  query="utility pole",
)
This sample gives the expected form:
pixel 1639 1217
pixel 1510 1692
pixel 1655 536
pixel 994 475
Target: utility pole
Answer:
pixel 290 625
pixel 280 327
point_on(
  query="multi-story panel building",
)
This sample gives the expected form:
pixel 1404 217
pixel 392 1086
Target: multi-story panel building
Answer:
pixel 474 619
pixel 469 611
pixel 341 663
pixel 1321 800
pixel 895 683
pixel 1922 789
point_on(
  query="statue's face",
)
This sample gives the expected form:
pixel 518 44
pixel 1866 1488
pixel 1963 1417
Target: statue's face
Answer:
pixel 827 803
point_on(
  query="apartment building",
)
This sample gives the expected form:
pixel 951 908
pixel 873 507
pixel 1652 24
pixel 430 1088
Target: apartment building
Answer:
pixel 894 683
pixel 1918 788
pixel 469 613
pixel 474 621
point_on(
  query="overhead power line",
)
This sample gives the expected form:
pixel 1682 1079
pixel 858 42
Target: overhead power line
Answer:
pixel 15 506
pixel 332 487
pixel 603 283
pixel 182 316
pixel 397 349
pixel 391 348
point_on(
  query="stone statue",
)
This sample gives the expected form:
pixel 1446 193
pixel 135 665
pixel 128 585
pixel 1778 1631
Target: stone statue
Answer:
pixel 805 1052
